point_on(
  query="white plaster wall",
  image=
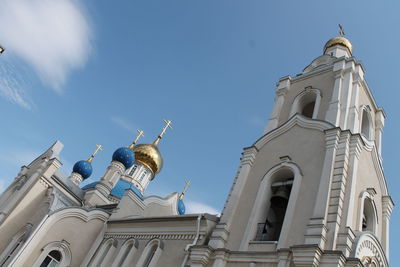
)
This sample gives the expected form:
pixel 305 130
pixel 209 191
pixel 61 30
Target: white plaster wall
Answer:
pixel 323 82
pixel 306 148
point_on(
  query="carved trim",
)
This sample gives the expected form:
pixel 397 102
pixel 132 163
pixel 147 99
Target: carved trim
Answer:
pixel 296 119
pixel 144 236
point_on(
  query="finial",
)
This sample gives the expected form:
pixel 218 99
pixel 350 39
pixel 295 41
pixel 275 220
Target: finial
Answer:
pixel 167 125
pixel 1 49
pixel 140 133
pixel 187 184
pixel 98 147
pixel 341 30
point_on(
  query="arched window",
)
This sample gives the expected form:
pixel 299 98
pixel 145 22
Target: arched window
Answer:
pixel 52 259
pixel 307 103
pixel 54 254
pixel 308 109
pixel 366 124
pixel 126 253
pixel 270 228
pixel 368 216
pixel 279 188
pixel 15 244
pixel 151 254
pixel 104 253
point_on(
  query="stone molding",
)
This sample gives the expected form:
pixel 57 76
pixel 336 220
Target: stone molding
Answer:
pixel 146 236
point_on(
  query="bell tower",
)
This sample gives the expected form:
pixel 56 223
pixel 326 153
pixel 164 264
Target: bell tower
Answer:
pixel 311 191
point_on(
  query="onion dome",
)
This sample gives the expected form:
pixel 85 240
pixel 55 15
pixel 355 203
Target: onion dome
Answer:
pixel 149 155
pixel 83 168
pixel 125 156
pixel 339 40
pixel 181 207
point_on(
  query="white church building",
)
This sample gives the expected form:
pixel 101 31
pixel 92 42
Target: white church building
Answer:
pixel 310 191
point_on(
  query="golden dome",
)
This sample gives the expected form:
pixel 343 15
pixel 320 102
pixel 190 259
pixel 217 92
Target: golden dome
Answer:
pixel 149 155
pixel 339 40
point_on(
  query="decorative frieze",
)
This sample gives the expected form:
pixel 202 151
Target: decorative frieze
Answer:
pixel 143 236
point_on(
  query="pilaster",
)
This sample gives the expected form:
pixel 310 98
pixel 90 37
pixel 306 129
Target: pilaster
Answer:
pixel 221 232
pixel 199 256
pixel 379 124
pixel 338 188
pixel 281 90
pixel 353 122
pixel 306 255
pixel 333 259
pixel 333 112
pixel 316 229
pixel 387 208
pixel 346 92
pixel 351 198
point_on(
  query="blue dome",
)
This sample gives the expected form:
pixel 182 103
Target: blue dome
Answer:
pixel 125 156
pixel 181 207
pixel 84 168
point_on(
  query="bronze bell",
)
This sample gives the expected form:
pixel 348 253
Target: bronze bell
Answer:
pixel 280 196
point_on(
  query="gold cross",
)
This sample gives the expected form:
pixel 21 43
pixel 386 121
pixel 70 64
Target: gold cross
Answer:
pixel 140 133
pixel 187 184
pixel 341 31
pixel 167 125
pixel 98 147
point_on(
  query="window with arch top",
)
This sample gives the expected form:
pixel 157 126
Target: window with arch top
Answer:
pixel 270 229
pixel 368 216
pixel 366 124
pixel 151 253
pixel 126 253
pixel 307 103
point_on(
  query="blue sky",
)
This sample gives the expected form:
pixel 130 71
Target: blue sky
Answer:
pixel 87 72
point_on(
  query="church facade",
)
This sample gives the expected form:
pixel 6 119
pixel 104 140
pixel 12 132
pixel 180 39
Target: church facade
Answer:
pixel 309 192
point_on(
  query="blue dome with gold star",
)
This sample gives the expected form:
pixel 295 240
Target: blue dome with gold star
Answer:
pixel 125 156
pixel 181 207
pixel 84 168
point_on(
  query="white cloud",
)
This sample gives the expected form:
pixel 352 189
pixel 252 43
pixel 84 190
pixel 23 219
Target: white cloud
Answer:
pixel 198 207
pixel 53 36
pixel 124 124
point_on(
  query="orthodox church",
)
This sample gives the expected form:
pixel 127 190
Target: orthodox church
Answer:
pixel 310 191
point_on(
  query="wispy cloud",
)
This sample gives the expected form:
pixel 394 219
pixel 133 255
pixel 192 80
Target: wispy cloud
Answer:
pixel 257 121
pixel 52 36
pixel 13 86
pixel 199 207
pixel 123 123
pixel 18 157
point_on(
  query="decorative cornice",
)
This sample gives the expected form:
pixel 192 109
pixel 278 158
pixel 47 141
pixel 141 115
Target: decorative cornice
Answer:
pixel 146 236
pixel 296 119
pixel 387 204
